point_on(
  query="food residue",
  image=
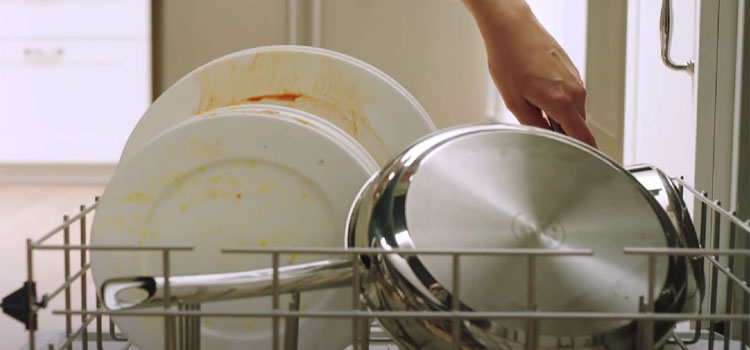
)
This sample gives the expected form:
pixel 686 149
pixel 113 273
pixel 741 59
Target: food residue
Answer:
pixel 216 178
pixel 292 258
pixel 263 243
pixel 250 325
pixel 304 194
pixel 139 197
pixel 304 122
pixel 201 168
pixel 279 97
pixel 323 92
pixel 183 207
pixel 239 196
pixel 208 320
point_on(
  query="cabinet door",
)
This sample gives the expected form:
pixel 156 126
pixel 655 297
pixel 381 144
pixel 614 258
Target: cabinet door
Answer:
pixel 194 32
pixel 433 48
pixel 74 19
pixel 70 101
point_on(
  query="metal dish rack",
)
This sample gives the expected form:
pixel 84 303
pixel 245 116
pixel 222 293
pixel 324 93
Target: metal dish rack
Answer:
pixel 182 321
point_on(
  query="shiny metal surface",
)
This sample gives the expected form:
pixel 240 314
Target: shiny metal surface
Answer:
pixel 494 186
pixel 670 199
pixel 126 293
pixel 488 186
pixel 665 31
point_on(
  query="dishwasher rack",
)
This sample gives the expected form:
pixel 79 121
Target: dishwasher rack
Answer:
pixel 182 321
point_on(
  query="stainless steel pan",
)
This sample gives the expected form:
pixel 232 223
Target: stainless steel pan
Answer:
pixel 486 186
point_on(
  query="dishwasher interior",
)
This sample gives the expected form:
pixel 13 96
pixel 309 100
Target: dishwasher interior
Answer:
pixel 722 321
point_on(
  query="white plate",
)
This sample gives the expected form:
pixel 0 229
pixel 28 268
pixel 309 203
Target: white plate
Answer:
pixel 233 178
pixel 364 102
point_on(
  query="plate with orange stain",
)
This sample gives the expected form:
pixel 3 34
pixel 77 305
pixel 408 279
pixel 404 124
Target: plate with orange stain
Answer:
pixel 242 176
pixel 354 96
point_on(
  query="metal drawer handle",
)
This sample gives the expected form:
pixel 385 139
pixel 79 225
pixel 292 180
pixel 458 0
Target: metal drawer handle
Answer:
pixel 41 53
pixel 665 24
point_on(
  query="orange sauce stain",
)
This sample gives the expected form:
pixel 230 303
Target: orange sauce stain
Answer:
pixel 278 97
pixel 304 122
pixel 239 196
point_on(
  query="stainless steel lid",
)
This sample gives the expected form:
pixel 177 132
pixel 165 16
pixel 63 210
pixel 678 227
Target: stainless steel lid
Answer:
pixel 499 186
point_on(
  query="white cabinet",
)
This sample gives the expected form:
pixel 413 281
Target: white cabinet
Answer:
pixel 107 19
pixel 74 79
pixel 432 47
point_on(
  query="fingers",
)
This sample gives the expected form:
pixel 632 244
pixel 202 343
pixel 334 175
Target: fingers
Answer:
pixel 565 110
pixel 527 114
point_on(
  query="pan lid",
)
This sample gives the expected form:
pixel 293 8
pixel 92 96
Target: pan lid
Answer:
pixel 501 186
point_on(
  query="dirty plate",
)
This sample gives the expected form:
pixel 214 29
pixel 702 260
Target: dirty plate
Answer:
pixel 260 176
pixel 356 97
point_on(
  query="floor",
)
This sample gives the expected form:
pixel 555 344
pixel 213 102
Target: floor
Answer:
pixel 30 211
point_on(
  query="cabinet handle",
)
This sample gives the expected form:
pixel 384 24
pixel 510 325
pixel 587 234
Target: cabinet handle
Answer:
pixel 665 26
pixel 38 53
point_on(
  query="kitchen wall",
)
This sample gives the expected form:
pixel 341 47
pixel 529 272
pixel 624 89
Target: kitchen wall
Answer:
pixel 431 47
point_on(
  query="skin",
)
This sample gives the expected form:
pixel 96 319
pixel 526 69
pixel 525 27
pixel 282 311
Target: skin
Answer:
pixel 532 72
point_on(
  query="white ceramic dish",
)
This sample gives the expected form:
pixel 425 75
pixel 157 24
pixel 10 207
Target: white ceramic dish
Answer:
pixel 237 177
pixel 356 97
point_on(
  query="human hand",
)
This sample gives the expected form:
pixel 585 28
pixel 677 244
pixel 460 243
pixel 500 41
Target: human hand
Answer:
pixel 532 72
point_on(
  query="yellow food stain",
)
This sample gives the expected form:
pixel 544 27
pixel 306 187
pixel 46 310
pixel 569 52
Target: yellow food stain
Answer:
pixel 264 243
pixel 178 180
pixel 250 325
pixel 208 320
pixel 194 141
pixel 233 181
pixel 239 196
pixel 216 178
pixel 143 236
pixel 138 197
pixel 201 168
pixel 252 163
pixel 304 194
pixel 304 307
pixel 292 258
pixel 184 207
pixel 308 182
pixel 262 189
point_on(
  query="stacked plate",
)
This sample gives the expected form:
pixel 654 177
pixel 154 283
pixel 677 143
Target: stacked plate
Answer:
pixel 265 147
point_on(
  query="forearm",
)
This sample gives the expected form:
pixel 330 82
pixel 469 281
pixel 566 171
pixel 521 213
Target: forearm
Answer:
pixel 499 17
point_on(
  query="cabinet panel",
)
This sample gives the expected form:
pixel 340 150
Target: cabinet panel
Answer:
pixel 70 101
pixel 74 19
pixel 433 48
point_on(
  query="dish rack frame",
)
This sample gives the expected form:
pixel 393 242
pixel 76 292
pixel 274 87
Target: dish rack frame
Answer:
pixel 182 325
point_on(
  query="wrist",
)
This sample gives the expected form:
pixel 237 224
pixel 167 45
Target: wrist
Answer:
pixel 499 16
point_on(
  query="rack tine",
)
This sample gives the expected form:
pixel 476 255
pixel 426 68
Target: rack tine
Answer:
pixel 729 286
pixel 714 278
pixel 113 332
pixel 84 282
pixel 746 298
pixel 66 263
pixel 291 328
pixel 99 345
